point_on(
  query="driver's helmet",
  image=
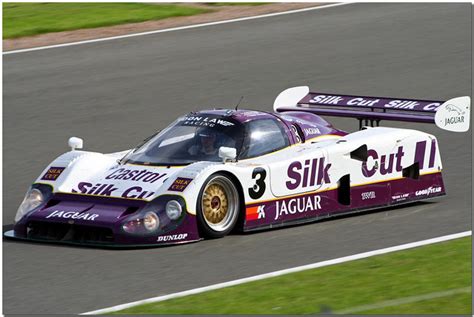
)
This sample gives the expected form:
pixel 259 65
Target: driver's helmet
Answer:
pixel 207 137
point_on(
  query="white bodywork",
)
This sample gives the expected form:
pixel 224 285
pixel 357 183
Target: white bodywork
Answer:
pixel 90 173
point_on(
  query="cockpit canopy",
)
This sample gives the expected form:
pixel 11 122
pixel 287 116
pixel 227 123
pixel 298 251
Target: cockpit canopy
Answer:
pixel 198 137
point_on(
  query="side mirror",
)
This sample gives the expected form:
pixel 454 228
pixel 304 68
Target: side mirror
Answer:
pixel 75 143
pixel 227 153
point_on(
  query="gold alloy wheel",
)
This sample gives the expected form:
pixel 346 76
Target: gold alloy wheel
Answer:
pixel 220 204
pixel 215 203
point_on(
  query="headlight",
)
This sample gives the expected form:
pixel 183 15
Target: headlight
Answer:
pixel 163 214
pixel 173 209
pixel 145 224
pixel 33 198
pixel 151 221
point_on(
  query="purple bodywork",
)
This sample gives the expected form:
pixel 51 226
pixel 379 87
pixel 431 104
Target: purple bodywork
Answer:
pixel 106 230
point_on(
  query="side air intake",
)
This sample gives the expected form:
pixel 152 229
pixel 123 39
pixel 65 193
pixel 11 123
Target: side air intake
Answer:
pixel 360 153
pixel 344 190
pixel 412 171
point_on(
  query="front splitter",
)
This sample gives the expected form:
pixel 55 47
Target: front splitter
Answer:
pixel 11 235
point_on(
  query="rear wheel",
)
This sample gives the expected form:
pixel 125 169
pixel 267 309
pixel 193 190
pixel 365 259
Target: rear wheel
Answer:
pixel 218 206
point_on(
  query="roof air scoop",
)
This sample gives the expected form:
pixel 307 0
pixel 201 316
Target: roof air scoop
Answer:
pixel 290 97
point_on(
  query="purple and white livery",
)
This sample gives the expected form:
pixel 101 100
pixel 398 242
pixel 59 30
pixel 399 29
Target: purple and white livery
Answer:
pixel 214 171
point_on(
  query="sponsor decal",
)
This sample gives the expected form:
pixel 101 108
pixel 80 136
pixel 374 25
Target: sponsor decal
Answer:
pixel 136 192
pixel 385 164
pixel 315 171
pixel 457 115
pixel 374 102
pixel 206 121
pixel 308 173
pixel 72 215
pixel 301 204
pixel 368 195
pixel 428 191
pixel 53 173
pixel 410 105
pixel 100 189
pixel 255 213
pixel 392 162
pixel 172 237
pixel 453 120
pixel 180 184
pixel 454 115
pixel 456 109
pixel 336 100
pixel 309 131
pixel 400 197
pixel 135 175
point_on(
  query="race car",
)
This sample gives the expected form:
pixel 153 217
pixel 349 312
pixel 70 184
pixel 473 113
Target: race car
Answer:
pixel 215 171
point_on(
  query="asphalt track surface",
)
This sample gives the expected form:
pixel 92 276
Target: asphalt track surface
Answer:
pixel 113 94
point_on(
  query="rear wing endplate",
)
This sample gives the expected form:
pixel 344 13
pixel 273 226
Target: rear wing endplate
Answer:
pixel 452 115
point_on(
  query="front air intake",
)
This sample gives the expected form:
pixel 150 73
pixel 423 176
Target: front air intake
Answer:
pixel 63 232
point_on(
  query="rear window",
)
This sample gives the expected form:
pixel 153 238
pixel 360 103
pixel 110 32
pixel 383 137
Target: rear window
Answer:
pixel 263 137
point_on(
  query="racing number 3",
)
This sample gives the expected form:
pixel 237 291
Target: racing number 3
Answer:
pixel 258 189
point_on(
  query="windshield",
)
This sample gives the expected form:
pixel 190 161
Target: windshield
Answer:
pixel 190 139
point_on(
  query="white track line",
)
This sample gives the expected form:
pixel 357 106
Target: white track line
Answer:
pixel 281 272
pixel 175 28
pixel 404 300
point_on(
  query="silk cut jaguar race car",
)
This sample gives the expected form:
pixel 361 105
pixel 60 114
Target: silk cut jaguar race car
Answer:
pixel 214 171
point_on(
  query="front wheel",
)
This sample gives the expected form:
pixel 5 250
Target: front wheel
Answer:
pixel 218 206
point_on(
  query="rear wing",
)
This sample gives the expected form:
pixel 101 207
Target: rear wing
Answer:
pixel 374 109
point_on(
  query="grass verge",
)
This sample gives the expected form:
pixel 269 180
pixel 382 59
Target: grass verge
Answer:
pixel 438 268
pixel 24 19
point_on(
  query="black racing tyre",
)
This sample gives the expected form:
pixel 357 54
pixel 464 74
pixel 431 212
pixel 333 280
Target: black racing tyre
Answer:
pixel 218 206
